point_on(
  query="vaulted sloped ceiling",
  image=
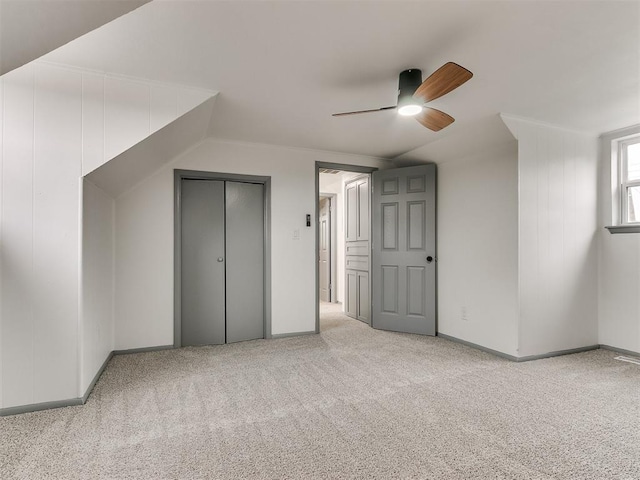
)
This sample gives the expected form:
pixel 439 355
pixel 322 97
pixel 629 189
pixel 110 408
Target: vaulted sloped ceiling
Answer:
pixel 282 68
pixel 32 28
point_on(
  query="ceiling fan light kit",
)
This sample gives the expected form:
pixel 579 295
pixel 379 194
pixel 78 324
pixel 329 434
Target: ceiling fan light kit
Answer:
pixel 413 93
pixel 409 109
pixel 408 83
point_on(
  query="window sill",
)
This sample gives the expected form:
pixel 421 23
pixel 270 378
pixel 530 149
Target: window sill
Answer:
pixel 623 228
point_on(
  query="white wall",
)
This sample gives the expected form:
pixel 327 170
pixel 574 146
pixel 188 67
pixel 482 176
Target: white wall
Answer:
pixel 96 325
pixel 144 238
pixel 144 264
pixel 521 256
pixel 41 168
pixel 619 291
pixel 119 112
pixel 558 271
pixel 619 262
pixel 57 123
pixel 477 233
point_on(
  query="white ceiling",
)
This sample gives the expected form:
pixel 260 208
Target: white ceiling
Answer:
pixel 31 28
pixel 332 182
pixel 282 68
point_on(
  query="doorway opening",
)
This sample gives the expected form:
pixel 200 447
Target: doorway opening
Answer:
pixel 388 246
pixel 343 248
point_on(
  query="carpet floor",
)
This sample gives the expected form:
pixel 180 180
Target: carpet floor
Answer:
pixel 352 402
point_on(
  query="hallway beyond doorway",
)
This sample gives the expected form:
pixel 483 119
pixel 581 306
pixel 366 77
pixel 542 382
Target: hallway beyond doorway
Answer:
pixel 331 315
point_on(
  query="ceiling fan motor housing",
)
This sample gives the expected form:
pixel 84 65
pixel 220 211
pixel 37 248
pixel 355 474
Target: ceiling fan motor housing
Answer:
pixel 409 82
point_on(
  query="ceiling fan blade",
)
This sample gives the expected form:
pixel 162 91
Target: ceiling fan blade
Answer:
pixel 363 111
pixel 434 119
pixel 447 78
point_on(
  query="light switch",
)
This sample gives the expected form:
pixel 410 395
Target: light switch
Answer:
pixel 296 234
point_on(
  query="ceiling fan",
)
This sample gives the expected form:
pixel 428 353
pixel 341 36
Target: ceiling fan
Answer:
pixel 413 93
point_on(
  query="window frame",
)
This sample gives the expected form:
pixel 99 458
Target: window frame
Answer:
pixel 624 182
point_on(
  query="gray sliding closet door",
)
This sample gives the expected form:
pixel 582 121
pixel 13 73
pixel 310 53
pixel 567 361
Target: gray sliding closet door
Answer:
pixel 203 262
pixel 245 261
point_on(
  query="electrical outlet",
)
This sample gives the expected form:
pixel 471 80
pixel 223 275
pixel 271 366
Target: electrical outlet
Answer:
pixel 463 314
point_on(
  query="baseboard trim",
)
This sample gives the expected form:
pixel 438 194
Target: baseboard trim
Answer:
pixel 36 407
pixel 527 358
pixel 143 350
pixel 620 350
pixel 558 353
pixel 294 334
pixel 478 347
pixel 97 376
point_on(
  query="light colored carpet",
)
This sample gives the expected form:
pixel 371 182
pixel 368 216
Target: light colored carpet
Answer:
pixel 352 402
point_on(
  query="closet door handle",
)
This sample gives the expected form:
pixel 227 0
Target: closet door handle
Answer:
pixel 220 259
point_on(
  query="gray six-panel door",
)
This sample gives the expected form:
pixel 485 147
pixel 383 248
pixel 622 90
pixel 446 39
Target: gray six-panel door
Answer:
pixel 404 240
pixel 203 267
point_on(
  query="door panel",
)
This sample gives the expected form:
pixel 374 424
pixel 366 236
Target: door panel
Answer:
pixel 390 226
pixel 325 250
pixel 351 297
pixel 363 209
pixel 351 213
pixel 357 262
pixel 363 296
pixel 403 237
pixel 416 232
pixel 416 184
pixel 203 276
pixel 389 283
pixel 416 291
pixel 245 261
pixel 357 248
pixel 389 186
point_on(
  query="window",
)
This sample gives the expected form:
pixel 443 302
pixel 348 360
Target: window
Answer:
pixel 629 168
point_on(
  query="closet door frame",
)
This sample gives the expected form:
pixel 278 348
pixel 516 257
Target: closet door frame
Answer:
pixel 180 175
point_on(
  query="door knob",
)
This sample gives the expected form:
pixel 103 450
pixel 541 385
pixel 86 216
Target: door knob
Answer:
pixel 429 259
pixel 220 259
